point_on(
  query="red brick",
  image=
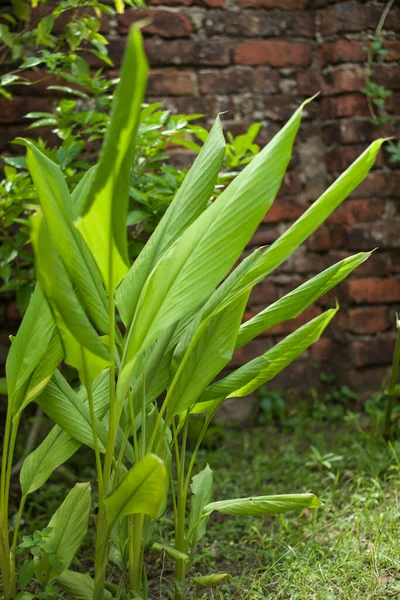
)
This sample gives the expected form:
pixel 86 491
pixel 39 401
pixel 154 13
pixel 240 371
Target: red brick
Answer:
pixel 187 52
pixel 228 81
pixel 322 350
pixel 273 53
pixel 344 106
pixel 263 294
pixel 373 352
pixel 368 379
pixel 327 239
pixel 389 76
pixel 309 83
pixel 349 17
pixel 376 265
pixel 351 130
pixel 277 108
pixel 373 291
pixel 264 236
pixel 393 48
pixel 379 184
pixel 394 263
pixel 291 184
pixel 207 3
pixel 171 83
pixel 357 211
pixel 344 80
pixel 302 262
pixel 13 111
pixel 265 80
pixel 164 23
pixel 369 320
pixel 283 209
pixel 381 235
pixel 339 51
pixel 339 158
pixel 282 4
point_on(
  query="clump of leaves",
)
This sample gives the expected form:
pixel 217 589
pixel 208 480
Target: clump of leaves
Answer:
pixel 181 303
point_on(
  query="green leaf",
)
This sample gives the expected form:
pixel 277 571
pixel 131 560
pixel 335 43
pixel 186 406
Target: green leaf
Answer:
pixel 207 349
pixel 202 485
pixel 58 446
pixel 212 579
pixel 262 505
pixel 29 364
pixel 294 303
pixel 172 552
pixel 141 491
pixel 255 373
pixel 297 233
pixel 78 335
pixel 103 220
pixel 62 405
pixel 25 596
pixel 189 202
pixel 79 586
pixel 189 272
pixel 58 210
pixel 25 573
pixel 69 526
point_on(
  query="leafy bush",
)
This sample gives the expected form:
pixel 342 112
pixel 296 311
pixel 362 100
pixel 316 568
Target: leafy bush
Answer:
pixel 182 306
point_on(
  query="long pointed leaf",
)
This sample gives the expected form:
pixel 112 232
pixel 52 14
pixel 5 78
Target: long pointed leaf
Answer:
pixel 255 373
pixel 294 303
pixel 58 446
pixel 189 202
pixel 202 255
pixel 74 327
pixel 103 220
pixel 297 233
pixel 58 210
pixel 262 505
pixel 28 352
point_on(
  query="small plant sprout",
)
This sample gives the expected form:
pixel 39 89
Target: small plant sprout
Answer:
pixel 181 304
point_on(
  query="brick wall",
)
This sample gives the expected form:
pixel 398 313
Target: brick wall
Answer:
pixel 257 59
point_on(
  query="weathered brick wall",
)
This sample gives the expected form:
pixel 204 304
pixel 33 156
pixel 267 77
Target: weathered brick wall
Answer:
pixel 257 59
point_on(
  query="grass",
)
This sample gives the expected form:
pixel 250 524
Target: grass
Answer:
pixel 346 550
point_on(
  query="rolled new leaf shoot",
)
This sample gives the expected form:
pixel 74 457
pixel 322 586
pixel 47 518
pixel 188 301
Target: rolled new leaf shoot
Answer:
pixel 211 580
pixel 262 505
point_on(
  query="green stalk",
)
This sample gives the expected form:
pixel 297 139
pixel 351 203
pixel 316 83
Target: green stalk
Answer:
pixel 137 553
pixel 7 570
pixel 94 428
pixel 102 525
pixel 136 539
pixel 180 544
pixel 392 394
pixel 14 545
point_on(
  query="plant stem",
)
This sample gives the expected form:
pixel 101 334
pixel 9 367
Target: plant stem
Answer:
pixel 392 394
pixel 10 436
pixel 180 565
pixel 136 567
pixel 102 525
pixel 94 428
pixel 14 545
